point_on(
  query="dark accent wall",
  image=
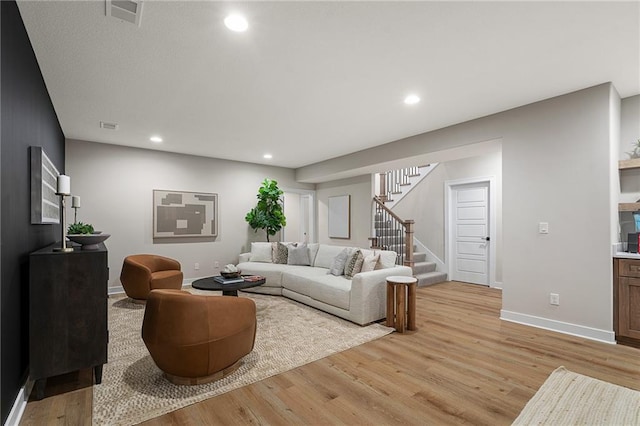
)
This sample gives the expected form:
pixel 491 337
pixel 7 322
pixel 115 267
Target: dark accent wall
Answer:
pixel 27 118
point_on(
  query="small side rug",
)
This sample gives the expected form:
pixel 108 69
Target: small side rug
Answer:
pixel 289 335
pixel 568 398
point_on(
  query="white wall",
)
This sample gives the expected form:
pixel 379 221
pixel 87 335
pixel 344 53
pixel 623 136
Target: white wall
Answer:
pixel 115 184
pixel 629 135
pixel 556 168
pixel 629 124
pixel 360 190
pixel 425 203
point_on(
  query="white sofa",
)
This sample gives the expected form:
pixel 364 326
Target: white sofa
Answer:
pixel 361 299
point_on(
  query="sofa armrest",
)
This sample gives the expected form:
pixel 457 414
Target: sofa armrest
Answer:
pixel 244 257
pixel 369 293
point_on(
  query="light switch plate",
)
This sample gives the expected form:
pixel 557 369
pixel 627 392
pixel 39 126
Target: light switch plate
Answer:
pixel 543 227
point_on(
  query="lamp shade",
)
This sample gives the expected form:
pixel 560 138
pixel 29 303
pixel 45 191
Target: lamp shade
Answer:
pixel 64 185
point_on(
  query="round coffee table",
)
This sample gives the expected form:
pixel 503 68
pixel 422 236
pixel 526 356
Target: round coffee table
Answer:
pixel 227 289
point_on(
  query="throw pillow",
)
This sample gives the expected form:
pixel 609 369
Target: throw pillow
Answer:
pixel 325 255
pixel 299 255
pixel 354 264
pixel 369 263
pixel 260 252
pixel 313 251
pixel 387 259
pixel 337 266
pixel 358 266
pixel 281 254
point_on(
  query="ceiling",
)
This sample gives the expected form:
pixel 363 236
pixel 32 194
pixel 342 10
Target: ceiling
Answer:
pixel 310 81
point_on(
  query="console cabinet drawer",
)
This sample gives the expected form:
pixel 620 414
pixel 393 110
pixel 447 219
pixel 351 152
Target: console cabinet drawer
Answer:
pixel 629 268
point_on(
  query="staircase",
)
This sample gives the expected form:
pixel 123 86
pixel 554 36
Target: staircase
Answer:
pixel 425 271
pixel 390 237
pixel 395 184
pixel 393 233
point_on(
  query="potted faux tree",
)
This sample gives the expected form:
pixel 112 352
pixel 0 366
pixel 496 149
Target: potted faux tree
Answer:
pixel 268 214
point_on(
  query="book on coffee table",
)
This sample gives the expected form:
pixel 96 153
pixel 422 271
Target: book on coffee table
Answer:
pixel 222 280
pixel 252 278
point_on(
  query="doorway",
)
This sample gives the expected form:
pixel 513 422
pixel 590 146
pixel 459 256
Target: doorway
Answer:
pixel 470 229
pixel 300 214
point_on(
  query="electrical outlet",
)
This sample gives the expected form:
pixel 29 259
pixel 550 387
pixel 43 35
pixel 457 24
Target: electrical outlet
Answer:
pixel 216 264
pixel 543 227
pixel 554 299
pixel 196 266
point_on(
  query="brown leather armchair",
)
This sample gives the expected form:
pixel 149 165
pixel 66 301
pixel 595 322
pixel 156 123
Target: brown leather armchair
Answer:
pixel 142 273
pixel 197 339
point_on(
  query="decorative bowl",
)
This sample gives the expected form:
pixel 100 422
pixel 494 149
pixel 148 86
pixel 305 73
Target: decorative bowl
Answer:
pixel 88 241
pixel 230 274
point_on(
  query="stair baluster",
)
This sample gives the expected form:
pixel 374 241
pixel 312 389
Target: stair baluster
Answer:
pixel 393 233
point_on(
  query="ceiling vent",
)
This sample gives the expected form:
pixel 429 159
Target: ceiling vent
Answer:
pixel 126 10
pixel 108 126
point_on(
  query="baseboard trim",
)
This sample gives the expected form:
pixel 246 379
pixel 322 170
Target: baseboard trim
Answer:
pixel 559 326
pixel 15 415
pixel 497 284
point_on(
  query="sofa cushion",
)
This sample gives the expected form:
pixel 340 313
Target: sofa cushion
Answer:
pixel 337 266
pixel 299 255
pixel 260 252
pixel 332 290
pixel 325 255
pixel 301 278
pixel 271 271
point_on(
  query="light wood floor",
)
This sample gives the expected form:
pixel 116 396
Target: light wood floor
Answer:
pixel 462 365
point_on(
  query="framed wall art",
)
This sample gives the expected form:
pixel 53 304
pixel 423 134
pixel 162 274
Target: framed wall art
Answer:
pixel 340 217
pixel 180 214
pixel 45 204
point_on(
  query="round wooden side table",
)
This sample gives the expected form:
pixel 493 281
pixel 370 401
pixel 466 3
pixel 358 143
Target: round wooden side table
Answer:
pixel 401 303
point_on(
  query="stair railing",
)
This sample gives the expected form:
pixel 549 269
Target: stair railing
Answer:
pixel 391 181
pixel 395 234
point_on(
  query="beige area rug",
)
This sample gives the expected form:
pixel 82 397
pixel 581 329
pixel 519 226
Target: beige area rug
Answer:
pixel 289 335
pixel 568 398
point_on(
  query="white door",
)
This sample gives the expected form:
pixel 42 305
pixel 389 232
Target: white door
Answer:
pixel 470 233
pixel 306 218
pixel 300 213
pixel 291 232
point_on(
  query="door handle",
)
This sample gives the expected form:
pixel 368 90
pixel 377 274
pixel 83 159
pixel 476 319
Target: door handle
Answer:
pixel 487 238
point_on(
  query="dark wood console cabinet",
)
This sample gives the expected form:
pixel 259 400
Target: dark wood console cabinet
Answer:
pixel 67 313
pixel 626 301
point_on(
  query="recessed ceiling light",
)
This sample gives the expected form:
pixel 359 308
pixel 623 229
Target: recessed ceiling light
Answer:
pixel 236 23
pixel 268 156
pixel 156 139
pixel 412 99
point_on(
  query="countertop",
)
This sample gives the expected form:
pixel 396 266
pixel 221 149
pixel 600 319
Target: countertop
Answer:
pixel 618 251
pixel 625 255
